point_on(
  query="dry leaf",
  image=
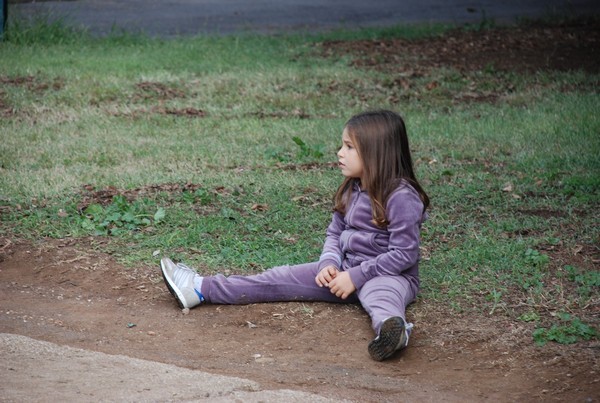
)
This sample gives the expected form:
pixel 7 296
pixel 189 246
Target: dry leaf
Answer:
pixel 432 85
pixel 260 207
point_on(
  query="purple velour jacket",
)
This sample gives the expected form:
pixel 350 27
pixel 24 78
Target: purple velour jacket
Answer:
pixel 356 245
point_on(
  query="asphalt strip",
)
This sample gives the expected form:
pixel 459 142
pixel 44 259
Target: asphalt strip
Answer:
pixel 33 370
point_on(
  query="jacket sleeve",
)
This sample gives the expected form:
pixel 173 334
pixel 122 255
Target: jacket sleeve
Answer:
pixel 332 251
pixel 404 212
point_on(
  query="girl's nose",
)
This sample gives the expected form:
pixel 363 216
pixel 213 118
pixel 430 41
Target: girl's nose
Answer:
pixel 339 153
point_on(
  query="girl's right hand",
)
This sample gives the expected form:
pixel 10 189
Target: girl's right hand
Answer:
pixel 326 275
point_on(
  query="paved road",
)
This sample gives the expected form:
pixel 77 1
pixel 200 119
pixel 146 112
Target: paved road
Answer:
pixel 192 17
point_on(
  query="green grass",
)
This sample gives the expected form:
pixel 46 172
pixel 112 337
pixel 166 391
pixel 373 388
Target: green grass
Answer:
pixel 252 123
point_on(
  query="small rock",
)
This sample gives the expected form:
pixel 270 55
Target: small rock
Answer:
pixel 185 311
pixel 265 360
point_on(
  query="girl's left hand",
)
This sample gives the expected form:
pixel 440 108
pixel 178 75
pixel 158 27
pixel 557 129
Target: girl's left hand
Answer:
pixel 342 285
pixel 326 275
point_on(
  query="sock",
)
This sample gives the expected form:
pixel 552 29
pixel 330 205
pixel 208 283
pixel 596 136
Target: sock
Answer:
pixel 409 328
pixel 198 286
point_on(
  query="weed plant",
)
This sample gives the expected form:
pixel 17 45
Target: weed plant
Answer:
pixel 219 150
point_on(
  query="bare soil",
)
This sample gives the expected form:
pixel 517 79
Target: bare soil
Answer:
pixel 64 291
pixel 532 48
pixel 68 292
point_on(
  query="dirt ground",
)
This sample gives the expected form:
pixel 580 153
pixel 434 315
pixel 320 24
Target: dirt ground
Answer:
pixel 67 292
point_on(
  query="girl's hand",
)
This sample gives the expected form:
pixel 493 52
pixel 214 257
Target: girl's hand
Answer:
pixel 342 285
pixel 326 275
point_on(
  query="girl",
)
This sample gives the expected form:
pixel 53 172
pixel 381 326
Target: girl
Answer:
pixel 371 251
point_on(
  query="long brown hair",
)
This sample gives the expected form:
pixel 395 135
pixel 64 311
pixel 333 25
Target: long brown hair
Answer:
pixel 382 144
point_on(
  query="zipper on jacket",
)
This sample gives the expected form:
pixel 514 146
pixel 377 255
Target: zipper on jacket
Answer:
pixel 354 202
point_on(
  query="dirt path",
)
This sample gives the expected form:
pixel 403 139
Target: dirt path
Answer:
pixel 66 293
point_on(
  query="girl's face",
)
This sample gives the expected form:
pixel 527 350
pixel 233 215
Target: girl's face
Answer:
pixel 349 160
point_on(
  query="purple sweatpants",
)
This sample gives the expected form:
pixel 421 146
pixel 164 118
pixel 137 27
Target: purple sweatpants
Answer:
pixel 381 297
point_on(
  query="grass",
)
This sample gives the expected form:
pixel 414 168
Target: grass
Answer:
pixel 250 124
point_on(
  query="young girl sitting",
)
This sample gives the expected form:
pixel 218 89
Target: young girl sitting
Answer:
pixel 371 251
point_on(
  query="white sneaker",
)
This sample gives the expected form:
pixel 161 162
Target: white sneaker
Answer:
pixel 393 336
pixel 180 281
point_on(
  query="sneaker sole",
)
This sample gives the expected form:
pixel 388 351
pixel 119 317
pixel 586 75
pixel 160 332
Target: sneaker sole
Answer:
pixel 172 287
pixel 391 335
